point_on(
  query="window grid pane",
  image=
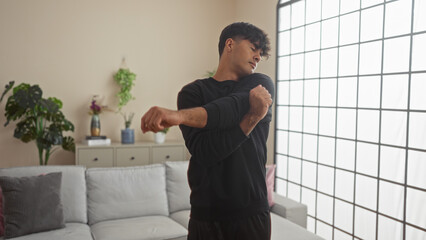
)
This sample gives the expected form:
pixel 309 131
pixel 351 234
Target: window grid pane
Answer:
pixel 351 113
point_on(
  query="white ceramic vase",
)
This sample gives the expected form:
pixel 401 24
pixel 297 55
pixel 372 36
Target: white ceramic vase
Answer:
pixel 159 137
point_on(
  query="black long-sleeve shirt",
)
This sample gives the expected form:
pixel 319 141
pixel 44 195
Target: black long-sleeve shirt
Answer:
pixel 226 172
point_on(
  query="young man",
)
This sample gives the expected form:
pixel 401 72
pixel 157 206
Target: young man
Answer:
pixel 225 123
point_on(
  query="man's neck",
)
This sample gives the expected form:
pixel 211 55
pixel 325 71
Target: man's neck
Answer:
pixel 221 76
pixel 224 73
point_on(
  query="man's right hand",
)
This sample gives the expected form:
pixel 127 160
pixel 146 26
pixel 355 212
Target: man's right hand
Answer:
pixel 157 118
pixel 260 100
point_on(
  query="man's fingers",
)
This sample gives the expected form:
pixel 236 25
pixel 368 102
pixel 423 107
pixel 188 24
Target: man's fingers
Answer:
pixel 157 118
pixel 153 120
pixel 146 120
pixel 143 123
pixel 156 122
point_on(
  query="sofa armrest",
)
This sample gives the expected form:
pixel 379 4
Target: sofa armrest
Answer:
pixel 293 211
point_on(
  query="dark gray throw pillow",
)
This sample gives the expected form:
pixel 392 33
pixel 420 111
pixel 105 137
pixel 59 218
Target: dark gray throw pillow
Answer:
pixel 32 204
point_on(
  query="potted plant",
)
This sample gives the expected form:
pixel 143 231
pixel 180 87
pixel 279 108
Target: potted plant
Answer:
pixel 210 73
pixel 38 118
pixel 125 79
pixel 160 136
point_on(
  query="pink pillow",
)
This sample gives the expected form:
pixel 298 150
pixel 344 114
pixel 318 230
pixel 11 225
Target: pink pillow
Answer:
pixel 1 214
pixel 270 181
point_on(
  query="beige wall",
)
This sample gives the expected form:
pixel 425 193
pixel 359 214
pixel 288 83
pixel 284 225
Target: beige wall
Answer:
pixel 72 48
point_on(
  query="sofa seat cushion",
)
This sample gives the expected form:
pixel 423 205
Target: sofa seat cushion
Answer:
pixel 140 228
pixel 294 211
pixel 72 231
pixel 182 217
pixel 283 229
pixel 126 192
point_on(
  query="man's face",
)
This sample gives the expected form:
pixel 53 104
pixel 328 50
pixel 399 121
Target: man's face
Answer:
pixel 245 57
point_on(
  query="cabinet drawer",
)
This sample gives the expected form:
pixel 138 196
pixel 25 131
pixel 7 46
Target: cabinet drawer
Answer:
pixel 167 153
pixel 132 156
pixel 96 157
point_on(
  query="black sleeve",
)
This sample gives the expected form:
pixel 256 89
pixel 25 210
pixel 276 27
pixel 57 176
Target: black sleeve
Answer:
pixel 208 146
pixel 228 111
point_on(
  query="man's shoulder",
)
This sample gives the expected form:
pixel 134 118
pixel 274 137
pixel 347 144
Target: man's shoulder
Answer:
pixel 194 94
pixel 255 79
pixel 259 77
pixel 196 84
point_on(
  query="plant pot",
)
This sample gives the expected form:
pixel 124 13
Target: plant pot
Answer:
pixel 159 137
pixel 95 125
pixel 128 136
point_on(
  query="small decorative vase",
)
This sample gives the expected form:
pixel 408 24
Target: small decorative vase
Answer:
pixel 159 137
pixel 128 136
pixel 95 125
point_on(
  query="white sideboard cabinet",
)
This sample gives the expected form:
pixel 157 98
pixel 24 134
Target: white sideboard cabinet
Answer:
pixel 122 155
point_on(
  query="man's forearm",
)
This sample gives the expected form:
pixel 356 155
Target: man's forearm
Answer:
pixel 197 118
pixel 227 112
pixel 249 122
pixel 193 117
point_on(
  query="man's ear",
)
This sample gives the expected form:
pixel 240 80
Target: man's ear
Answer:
pixel 229 44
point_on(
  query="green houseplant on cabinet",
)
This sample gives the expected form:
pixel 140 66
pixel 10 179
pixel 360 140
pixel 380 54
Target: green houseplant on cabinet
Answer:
pixel 38 119
pixel 125 79
pixel 160 136
pixel 210 73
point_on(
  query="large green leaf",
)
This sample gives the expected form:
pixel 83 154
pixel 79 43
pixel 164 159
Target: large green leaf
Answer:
pixel 67 126
pixel 13 111
pixel 28 97
pixel 56 101
pixel 68 144
pixel 25 130
pixel 49 105
pixel 6 89
pixel 44 143
pixel 54 135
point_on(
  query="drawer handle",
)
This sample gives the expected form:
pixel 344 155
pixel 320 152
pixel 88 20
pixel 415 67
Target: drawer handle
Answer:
pixel 168 156
pixel 132 158
pixel 95 159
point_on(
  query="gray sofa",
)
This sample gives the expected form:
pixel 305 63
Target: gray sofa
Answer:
pixel 135 203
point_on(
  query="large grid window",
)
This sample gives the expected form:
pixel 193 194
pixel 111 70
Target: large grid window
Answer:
pixel 351 115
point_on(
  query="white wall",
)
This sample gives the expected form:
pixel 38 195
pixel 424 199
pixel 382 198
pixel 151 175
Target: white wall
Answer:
pixel 73 48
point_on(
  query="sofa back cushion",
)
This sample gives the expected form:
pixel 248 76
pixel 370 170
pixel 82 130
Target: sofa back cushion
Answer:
pixel 32 204
pixel 73 187
pixel 177 186
pixel 126 192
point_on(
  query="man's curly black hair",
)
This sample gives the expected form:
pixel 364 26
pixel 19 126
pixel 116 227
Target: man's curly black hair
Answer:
pixel 246 31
